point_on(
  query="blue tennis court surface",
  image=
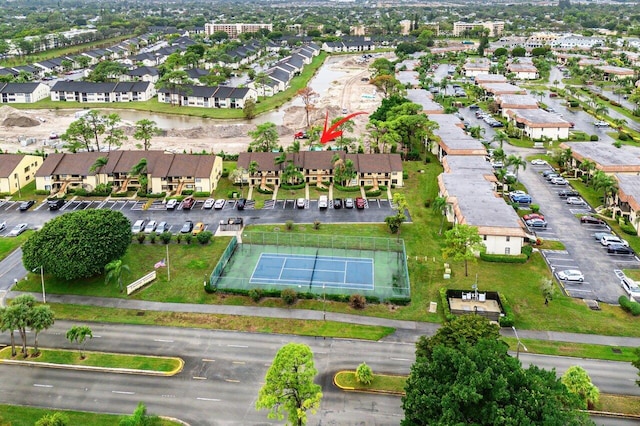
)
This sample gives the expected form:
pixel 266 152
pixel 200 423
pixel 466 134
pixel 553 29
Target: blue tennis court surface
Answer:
pixel 332 272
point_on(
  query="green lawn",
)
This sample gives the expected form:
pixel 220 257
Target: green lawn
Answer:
pixel 288 194
pixel 380 382
pixel 7 245
pixel 101 359
pixel 16 415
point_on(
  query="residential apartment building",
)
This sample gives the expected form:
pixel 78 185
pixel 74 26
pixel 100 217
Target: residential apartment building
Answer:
pixel 317 167
pixel 208 96
pixel 17 171
pixel 166 172
pixel 496 28
pixel 23 93
pixel 83 91
pixel 234 30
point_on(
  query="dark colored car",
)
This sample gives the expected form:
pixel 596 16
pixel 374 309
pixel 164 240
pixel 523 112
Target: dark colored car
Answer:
pixel 592 220
pixel 55 203
pixel 548 172
pixel 619 249
pixel 536 223
pixel 241 203
pixel 187 227
pixel 26 205
pixel 187 203
pixel 337 203
pixel 568 193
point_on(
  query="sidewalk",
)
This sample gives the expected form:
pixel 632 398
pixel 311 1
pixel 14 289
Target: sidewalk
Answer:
pixel 407 331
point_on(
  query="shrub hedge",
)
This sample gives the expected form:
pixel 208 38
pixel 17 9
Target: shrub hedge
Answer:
pixel 629 306
pixel 296 186
pixel 346 188
pixel 448 316
pixel 509 317
pixel 504 258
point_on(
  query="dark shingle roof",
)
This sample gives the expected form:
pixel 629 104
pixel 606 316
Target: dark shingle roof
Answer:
pixel 19 87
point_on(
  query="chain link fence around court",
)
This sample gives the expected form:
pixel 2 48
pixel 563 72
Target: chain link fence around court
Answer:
pixel 241 263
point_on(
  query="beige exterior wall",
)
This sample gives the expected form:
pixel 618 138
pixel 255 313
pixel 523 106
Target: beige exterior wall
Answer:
pixel 500 244
pixel 22 175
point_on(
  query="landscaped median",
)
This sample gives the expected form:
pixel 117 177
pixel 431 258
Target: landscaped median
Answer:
pixel 98 361
pixel 609 405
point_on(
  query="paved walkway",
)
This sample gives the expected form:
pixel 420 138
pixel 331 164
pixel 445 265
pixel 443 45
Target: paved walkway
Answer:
pixel 407 331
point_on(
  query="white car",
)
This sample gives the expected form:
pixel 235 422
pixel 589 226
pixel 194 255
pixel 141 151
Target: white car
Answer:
pixel 558 181
pixel 219 204
pixel 575 200
pixel 571 275
pixel 151 227
pixel 538 162
pixel 601 124
pixel 19 229
pixel 208 203
pixel 607 240
pixel 3 226
pixel 300 203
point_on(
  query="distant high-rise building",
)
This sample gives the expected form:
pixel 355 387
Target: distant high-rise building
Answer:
pixel 234 30
pixel 495 28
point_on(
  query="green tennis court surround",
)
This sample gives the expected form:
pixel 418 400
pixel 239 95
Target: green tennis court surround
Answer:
pixel 318 264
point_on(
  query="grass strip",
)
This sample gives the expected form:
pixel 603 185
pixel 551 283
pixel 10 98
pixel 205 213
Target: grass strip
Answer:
pixel 346 380
pixel 577 350
pixel 220 322
pixel 18 415
pixel 100 359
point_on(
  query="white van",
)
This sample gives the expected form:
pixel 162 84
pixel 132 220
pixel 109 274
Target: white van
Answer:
pixel 138 226
pixel 323 202
pixel 631 288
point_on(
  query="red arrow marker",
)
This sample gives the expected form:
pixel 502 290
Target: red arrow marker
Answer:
pixel 332 133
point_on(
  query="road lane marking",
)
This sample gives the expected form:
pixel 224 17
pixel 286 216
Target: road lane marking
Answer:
pixel 199 378
pixel 208 399
pixel 401 359
pixel 237 346
pixel 163 340
pixel 232 380
pixel 124 392
pixel 208 360
pixel 238 362
pixel 38 385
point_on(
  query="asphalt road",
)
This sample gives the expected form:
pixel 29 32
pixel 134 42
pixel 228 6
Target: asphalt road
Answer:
pixel 224 371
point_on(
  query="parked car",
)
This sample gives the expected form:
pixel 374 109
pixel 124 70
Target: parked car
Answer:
pixel 571 275
pixel 631 288
pixel 301 135
pixel 548 172
pixel 348 203
pixel 3 226
pixel 197 229
pixel 301 203
pixel 598 235
pixel 558 181
pixel 323 202
pixel 55 203
pixel 497 164
pixel 172 204
pixel 187 227
pixel 601 124
pixel 608 240
pixel 619 249
pixel 188 203
pixel 138 226
pixel 474 107
pixel 241 203
pixel 360 203
pixel 18 229
pixel 208 203
pixel 517 192
pixel 162 227
pixel 536 223
pixel 592 220
pixel 26 205
pixel 575 200
pixel 337 203
pixel 532 216
pixel 219 203
pixel 151 227
pixel 551 176
pixel 522 199
pixel 568 193
pixel 538 162
pixel 553 95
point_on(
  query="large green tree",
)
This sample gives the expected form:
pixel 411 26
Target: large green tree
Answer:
pixel 79 334
pixel 78 244
pixel 481 384
pixel 289 386
pixel 462 243
pixel 264 138
pixel 578 382
pixel 145 130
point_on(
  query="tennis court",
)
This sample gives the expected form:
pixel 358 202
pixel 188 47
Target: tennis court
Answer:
pixel 345 273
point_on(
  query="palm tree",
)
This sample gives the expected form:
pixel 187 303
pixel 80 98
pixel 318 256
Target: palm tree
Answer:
pixel 253 169
pixel 294 147
pixel 140 171
pixel 501 137
pixel 600 109
pixel 605 183
pixel 114 271
pixel 439 206
pixel 587 166
pixel 516 163
pixel 619 122
pixel 98 164
pixel 501 174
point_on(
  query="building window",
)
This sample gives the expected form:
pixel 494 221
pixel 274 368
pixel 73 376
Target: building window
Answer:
pixel 507 250
pixel 484 238
pixel 508 238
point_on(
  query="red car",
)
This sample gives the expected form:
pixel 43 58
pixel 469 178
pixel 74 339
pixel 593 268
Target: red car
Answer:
pixel 360 203
pixel 532 216
pixel 301 135
pixel 187 203
pixel 553 95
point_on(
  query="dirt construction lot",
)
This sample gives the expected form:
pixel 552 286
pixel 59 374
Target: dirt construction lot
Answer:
pixel 349 91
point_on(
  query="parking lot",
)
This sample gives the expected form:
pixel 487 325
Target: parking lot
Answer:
pixel 273 211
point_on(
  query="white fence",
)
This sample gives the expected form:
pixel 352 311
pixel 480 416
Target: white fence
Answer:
pixel 141 282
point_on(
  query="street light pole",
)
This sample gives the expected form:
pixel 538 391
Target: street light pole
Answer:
pixel 324 303
pixel 519 343
pixel 44 296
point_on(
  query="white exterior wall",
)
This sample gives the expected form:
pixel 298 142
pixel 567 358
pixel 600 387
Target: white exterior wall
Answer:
pixel 554 133
pixel 498 244
pixel 526 75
